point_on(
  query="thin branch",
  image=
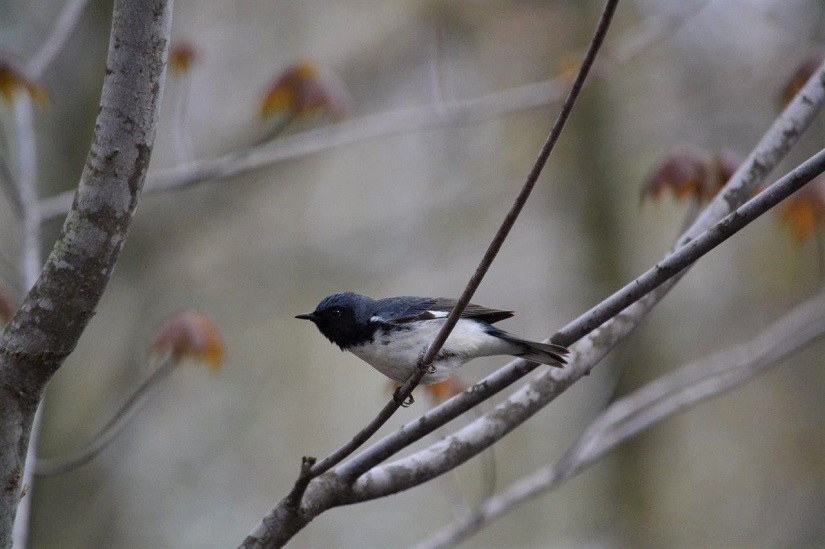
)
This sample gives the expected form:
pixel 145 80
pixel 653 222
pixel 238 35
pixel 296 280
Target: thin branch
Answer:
pixel 695 383
pixel 66 22
pixel 492 251
pixel 515 210
pixel 438 114
pixel 110 431
pixel 335 136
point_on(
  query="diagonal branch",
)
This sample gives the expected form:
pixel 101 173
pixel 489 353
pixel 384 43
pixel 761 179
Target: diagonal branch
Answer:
pixel 469 441
pixel 779 138
pixel 56 311
pixel 286 519
pixel 407 388
pixel 337 135
pixel 690 385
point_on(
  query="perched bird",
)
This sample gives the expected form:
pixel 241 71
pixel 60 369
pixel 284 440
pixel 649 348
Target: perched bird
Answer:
pixel 392 334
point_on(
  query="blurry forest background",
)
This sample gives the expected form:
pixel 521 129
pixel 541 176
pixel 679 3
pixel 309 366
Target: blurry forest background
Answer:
pixel 411 214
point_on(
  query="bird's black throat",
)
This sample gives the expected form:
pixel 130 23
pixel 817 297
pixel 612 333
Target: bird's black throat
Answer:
pixel 340 326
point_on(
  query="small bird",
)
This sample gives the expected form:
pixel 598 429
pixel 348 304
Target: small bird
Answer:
pixel 392 334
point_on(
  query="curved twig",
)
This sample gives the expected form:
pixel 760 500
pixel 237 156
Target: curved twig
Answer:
pixel 46 467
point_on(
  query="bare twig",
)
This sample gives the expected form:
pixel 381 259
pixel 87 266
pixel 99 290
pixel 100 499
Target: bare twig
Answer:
pixel 699 381
pixel 115 426
pixel 495 245
pixel 337 135
pixel 267 532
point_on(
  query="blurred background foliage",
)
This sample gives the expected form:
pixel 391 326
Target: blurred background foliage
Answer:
pixel 412 214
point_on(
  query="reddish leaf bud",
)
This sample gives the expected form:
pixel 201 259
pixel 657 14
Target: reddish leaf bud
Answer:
pixel 181 57
pixel 190 334
pixel 804 211
pixel 303 90
pixel 13 80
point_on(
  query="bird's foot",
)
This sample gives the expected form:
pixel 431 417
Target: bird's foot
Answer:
pixel 403 402
pixel 428 368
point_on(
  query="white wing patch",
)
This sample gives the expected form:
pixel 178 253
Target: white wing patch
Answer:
pixel 422 316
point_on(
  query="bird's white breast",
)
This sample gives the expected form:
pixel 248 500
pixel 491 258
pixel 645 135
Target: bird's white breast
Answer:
pixel 396 353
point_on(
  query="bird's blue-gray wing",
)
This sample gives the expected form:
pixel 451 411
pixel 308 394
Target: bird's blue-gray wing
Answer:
pixel 409 309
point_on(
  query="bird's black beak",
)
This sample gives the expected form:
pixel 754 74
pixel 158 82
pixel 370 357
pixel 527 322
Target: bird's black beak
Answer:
pixel 308 316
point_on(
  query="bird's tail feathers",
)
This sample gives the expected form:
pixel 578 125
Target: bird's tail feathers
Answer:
pixel 544 353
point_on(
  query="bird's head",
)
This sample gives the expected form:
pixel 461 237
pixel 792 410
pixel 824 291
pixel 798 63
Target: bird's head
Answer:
pixel 343 318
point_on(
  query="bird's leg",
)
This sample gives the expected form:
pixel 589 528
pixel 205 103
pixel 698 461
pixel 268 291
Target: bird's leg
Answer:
pixel 404 402
pixel 429 368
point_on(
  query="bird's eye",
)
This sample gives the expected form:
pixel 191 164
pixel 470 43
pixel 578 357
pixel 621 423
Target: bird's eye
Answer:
pixel 336 312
